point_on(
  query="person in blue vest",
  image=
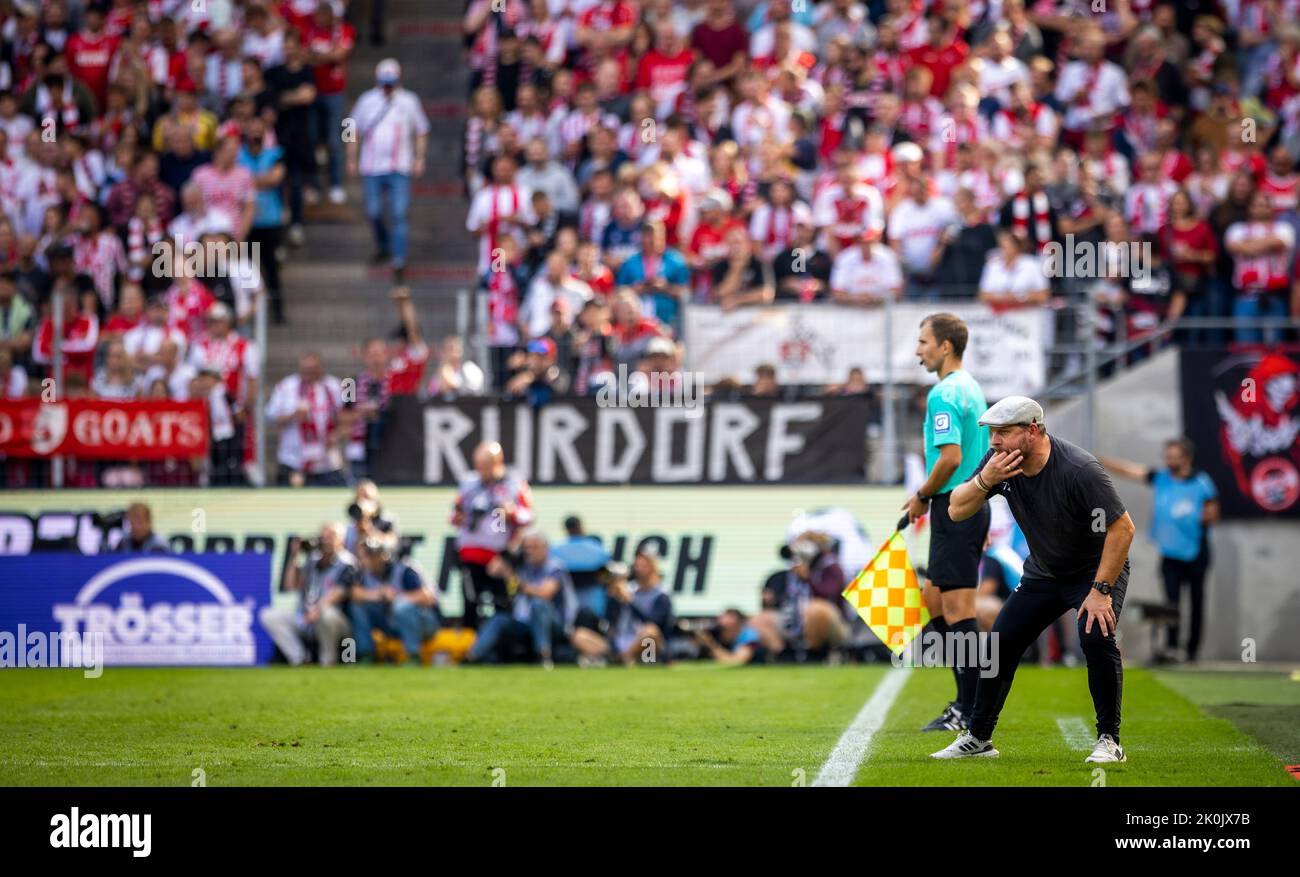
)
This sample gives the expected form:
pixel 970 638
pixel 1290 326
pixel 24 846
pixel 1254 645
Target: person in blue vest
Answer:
pixel 394 598
pixel 1185 505
pixel 584 557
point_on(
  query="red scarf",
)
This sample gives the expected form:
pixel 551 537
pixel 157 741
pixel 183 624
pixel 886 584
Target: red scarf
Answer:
pixel 1020 210
pixel 494 217
pixel 320 411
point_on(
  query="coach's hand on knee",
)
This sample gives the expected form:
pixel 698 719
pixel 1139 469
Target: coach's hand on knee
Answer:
pixel 1099 609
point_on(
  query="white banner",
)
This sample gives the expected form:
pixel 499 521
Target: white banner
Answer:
pixel 819 343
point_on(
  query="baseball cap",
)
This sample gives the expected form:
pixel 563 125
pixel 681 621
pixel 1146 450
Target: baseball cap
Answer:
pixel 219 311
pixel 388 71
pixel 660 345
pixel 907 151
pixel 1013 411
pixel 544 346
pixel 802 550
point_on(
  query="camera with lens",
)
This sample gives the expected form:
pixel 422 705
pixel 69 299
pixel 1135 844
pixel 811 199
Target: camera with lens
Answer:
pixel 513 556
pixel 371 510
pixel 110 521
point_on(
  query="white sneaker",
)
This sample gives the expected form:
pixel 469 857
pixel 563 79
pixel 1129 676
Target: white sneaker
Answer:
pixel 966 746
pixel 338 196
pixel 1107 750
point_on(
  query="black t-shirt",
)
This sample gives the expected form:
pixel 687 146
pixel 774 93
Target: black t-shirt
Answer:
pixel 750 279
pixel 292 126
pixel 963 259
pixel 817 265
pixel 1063 511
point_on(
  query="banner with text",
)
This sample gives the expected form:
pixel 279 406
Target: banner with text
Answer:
pixel 718 545
pixel 579 440
pixel 1242 412
pixel 818 344
pixel 149 609
pixel 103 429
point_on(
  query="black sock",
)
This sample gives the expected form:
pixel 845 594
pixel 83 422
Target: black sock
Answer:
pixel 939 626
pixel 965 660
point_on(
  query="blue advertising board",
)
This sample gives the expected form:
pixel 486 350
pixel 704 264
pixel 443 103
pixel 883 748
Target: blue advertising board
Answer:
pixel 150 609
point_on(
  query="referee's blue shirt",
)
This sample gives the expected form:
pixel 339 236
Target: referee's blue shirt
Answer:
pixel 952 412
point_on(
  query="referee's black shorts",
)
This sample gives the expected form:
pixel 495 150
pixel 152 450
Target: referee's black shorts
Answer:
pixel 955 546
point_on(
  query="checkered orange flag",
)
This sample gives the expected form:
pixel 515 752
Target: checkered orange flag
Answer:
pixel 888 597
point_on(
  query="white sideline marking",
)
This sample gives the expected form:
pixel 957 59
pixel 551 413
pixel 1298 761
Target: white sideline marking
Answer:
pixel 842 765
pixel 1076 734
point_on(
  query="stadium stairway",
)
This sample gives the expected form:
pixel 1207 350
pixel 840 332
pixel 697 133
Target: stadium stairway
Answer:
pixel 333 298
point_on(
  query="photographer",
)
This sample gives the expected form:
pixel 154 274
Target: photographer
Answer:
pixel 492 506
pixel 138 536
pixel 801 615
pixel 392 597
pixel 542 609
pixel 635 617
pixel 733 640
pixel 366 517
pixel 322 573
pixel 586 559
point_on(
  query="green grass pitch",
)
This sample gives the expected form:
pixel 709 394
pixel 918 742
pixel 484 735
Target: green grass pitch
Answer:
pixel 681 725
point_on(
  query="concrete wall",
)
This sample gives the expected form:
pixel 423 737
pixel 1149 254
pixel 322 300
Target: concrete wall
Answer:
pixel 1253 590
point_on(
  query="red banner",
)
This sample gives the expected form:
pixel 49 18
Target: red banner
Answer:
pixel 103 429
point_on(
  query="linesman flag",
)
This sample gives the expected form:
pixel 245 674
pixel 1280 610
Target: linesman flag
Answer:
pixel 887 595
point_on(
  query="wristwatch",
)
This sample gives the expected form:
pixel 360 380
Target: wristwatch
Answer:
pixel 922 497
pixel 1104 587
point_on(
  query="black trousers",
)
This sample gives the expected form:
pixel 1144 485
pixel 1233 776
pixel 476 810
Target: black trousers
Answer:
pixel 1191 573
pixel 1030 609
pixel 476 581
pixel 267 239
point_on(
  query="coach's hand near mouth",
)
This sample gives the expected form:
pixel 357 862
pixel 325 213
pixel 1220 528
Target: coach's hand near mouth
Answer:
pixel 1002 466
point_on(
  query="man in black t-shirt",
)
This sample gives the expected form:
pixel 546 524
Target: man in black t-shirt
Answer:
pixel 1079 535
pixel 293 86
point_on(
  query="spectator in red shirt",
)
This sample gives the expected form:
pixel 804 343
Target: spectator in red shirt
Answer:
pixel 720 40
pixel 408 353
pixel 80 339
pixel 329 41
pixel 708 247
pixel 605 29
pixel 631 329
pixel 593 272
pixel 143 183
pixel 664 70
pixel 129 313
pixel 945 52
pixel 91 51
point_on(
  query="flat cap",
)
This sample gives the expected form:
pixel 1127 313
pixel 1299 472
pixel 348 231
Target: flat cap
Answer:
pixel 1013 411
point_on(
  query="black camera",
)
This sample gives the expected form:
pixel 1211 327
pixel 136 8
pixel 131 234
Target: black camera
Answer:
pixel 110 521
pixel 514 557
pixel 378 520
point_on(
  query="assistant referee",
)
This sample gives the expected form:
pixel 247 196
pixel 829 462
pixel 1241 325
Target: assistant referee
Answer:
pixel 954 443
pixel 1079 535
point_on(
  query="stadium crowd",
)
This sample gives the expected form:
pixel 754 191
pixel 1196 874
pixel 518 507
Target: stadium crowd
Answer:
pixel 155 160
pixel 623 161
